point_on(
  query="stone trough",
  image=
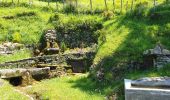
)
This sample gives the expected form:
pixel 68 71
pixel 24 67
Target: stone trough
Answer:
pixel 21 76
pixel 154 88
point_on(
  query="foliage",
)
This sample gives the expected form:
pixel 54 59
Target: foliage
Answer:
pixel 76 31
pixel 7 92
pixel 16 56
pixel 108 15
pixel 16 37
pixel 70 8
pixel 69 87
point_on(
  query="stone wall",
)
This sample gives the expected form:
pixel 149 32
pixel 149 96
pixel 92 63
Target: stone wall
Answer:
pixel 50 60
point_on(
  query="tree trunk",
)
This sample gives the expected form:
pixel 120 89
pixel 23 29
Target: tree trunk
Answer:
pixel 113 4
pixel 48 2
pixel 63 4
pixel 105 4
pixel 56 5
pixel 154 4
pixel 76 4
pixel 126 6
pixel 121 6
pixel 91 6
pixel 132 5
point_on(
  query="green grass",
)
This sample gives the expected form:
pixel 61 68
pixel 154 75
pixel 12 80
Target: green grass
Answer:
pixel 22 54
pixel 7 92
pixel 124 34
pixel 68 88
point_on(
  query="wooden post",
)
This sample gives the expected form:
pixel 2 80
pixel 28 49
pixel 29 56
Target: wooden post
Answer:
pixel 48 2
pixel 126 6
pixel 91 6
pixel 113 4
pixel 132 5
pixel 154 3
pixel 63 4
pixel 76 3
pixel 121 6
pixel 105 4
pixel 56 4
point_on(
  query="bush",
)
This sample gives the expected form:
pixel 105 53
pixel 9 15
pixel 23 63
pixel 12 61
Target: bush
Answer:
pixel 16 37
pixel 69 8
pixel 140 10
pixel 31 13
pixel 75 32
pixel 108 15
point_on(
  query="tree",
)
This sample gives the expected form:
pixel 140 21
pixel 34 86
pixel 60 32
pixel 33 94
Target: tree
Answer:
pixel 91 6
pixel 113 4
pixel 121 6
pixel 132 5
pixel 76 3
pixel 105 4
pixel 48 2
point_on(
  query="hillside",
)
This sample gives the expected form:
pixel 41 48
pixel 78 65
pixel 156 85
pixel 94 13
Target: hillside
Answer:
pixel 121 37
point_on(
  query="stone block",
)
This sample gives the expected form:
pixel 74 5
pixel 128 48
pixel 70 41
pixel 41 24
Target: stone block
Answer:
pixel 145 93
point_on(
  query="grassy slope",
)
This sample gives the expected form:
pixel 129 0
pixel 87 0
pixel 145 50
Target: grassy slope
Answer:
pixel 8 93
pixel 123 35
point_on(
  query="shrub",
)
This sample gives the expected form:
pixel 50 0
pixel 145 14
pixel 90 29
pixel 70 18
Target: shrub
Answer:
pixel 74 32
pixel 16 37
pixel 69 8
pixel 140 10
pixel 63 46
pixel 31 13
pixel 108 15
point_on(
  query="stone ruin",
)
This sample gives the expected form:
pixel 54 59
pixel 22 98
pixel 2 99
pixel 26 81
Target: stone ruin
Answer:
pixel 48 63
pixel 158 57
pixel 51 43
pixel 9 47
pixel 153 88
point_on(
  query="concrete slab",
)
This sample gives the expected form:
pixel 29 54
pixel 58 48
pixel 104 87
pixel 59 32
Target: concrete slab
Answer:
pixel 145 93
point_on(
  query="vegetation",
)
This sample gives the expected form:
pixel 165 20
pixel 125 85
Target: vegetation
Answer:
pixel 67 88
pixel 122 32
pixel 8 92
pixel 22 54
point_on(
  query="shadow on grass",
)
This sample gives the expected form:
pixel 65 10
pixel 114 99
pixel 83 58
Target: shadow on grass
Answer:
pixel 98 88
pixel 142 35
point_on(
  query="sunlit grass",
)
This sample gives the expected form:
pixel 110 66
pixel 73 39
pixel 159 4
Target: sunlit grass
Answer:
pixel 22 54
pixel 67 88
pixel 7 92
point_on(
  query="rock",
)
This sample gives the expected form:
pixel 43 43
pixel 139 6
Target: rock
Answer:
pixel 158 57
pixel 51 46
pixel 152 82
pixel 100 74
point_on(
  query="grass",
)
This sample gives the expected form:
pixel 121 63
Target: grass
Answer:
pixel 124 34
pixel 22 54
pixel 7 92
pixel 68 88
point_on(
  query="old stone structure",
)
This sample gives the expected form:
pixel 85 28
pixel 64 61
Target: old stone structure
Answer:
pixel 51 43
pixel 153 88
pixel 158 57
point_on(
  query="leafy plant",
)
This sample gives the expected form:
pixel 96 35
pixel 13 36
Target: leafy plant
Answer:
pixel 16 37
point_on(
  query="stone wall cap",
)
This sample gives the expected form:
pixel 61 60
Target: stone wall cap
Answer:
pixel 152 82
